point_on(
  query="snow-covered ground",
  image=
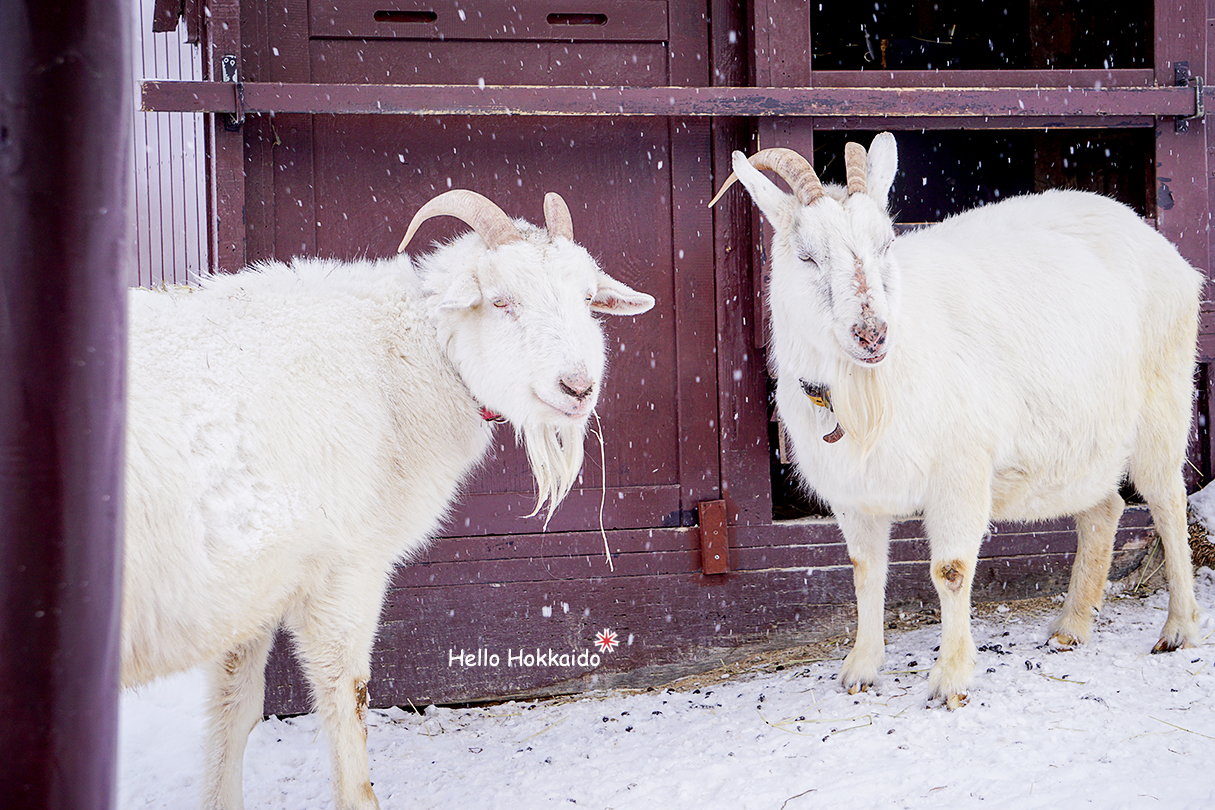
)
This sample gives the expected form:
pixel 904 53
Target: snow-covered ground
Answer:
pixel 1106 726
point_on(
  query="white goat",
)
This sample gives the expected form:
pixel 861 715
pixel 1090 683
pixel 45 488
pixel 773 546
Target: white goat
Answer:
pixel 295 431
pixel 1015 362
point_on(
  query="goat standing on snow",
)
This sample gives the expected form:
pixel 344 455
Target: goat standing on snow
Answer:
pixel 1015 362
pixel 295 431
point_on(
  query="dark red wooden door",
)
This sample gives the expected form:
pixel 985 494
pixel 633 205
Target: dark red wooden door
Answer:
pixel 346 185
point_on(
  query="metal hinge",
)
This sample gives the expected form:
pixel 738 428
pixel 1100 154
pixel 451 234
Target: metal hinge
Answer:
pixel 714 538
pixel 1183 78
pixel 228 72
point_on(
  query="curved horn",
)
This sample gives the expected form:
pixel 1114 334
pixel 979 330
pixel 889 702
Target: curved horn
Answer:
pixel 856 164
pixel 731 180
pixel 557 217
pixel 477 211
pixel 790 166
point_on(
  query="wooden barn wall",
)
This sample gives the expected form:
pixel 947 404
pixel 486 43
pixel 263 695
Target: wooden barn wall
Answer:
pixel 170 165
pixel 498 607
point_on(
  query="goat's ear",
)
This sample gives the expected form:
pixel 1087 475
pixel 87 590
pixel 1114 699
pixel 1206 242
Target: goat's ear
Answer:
pixel 883 162
pixel 774 203
pixel 613 298
pixel 462 293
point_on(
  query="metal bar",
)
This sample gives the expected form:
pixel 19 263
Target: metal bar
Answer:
pixel 65 239
pixel 864 102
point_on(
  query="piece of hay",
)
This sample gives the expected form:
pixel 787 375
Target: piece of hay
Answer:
pixel 1202 550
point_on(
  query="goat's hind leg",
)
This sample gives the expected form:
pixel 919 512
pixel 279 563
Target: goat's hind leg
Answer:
pixel 1095 530
pixel 868 539
pixel 1156 470
pixel 1168 505
pixel 238 688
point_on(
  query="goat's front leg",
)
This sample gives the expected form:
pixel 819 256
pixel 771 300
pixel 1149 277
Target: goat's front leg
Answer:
pixel 956 523
pixel 238 688
pixel 334 634
pixel 868 539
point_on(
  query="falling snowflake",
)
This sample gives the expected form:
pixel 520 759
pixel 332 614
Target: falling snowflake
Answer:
pixel 606 640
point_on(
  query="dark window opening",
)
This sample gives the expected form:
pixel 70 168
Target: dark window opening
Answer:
pixel 980 35
pixel 942 173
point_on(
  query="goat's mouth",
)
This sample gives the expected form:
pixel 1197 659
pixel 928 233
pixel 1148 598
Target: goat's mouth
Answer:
pixel 571 408
pixel 863 355
pixel 872 360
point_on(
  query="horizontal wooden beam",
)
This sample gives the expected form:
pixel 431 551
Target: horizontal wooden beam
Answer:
pixel 855 102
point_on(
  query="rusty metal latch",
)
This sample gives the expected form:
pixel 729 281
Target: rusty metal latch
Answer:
pixel 1199 107
pixel 714 538
pixel 1183 78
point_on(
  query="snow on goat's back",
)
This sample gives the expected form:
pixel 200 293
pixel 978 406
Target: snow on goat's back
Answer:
pixel 295 430
pixel 1020 361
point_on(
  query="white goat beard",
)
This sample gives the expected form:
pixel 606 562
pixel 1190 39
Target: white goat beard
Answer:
pixel 555 455
pixel 861 404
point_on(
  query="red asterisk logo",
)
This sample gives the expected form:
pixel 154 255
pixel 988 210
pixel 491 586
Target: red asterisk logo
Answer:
pixel 606 640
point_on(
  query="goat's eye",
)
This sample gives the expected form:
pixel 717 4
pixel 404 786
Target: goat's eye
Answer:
pixel 806 257
pixel 501 303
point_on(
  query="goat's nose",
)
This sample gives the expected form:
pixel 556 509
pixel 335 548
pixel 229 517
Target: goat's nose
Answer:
pixel 870 334
pixel 578 386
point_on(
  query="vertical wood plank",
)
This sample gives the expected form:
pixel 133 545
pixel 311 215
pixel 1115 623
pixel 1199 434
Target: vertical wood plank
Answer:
pixel 1182 177
pixel 1183 186
pixel 695 289
pixel 1206 331
pixel 782 29
pixel 741 374
pixel 294 202
pixel 259 133
pixel 226 184
pixel 65 250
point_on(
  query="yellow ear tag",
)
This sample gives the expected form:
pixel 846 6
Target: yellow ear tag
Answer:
pixel 819 394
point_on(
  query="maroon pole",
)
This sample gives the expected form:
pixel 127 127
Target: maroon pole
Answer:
pixel 65 112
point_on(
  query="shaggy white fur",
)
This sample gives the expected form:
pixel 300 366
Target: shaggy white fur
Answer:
pixel 1018 361
pixel 294 431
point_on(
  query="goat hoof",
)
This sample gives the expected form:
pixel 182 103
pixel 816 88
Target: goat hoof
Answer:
pixel 956 701
pixel 1170 645
pixel 1063 642
pixel 859 687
